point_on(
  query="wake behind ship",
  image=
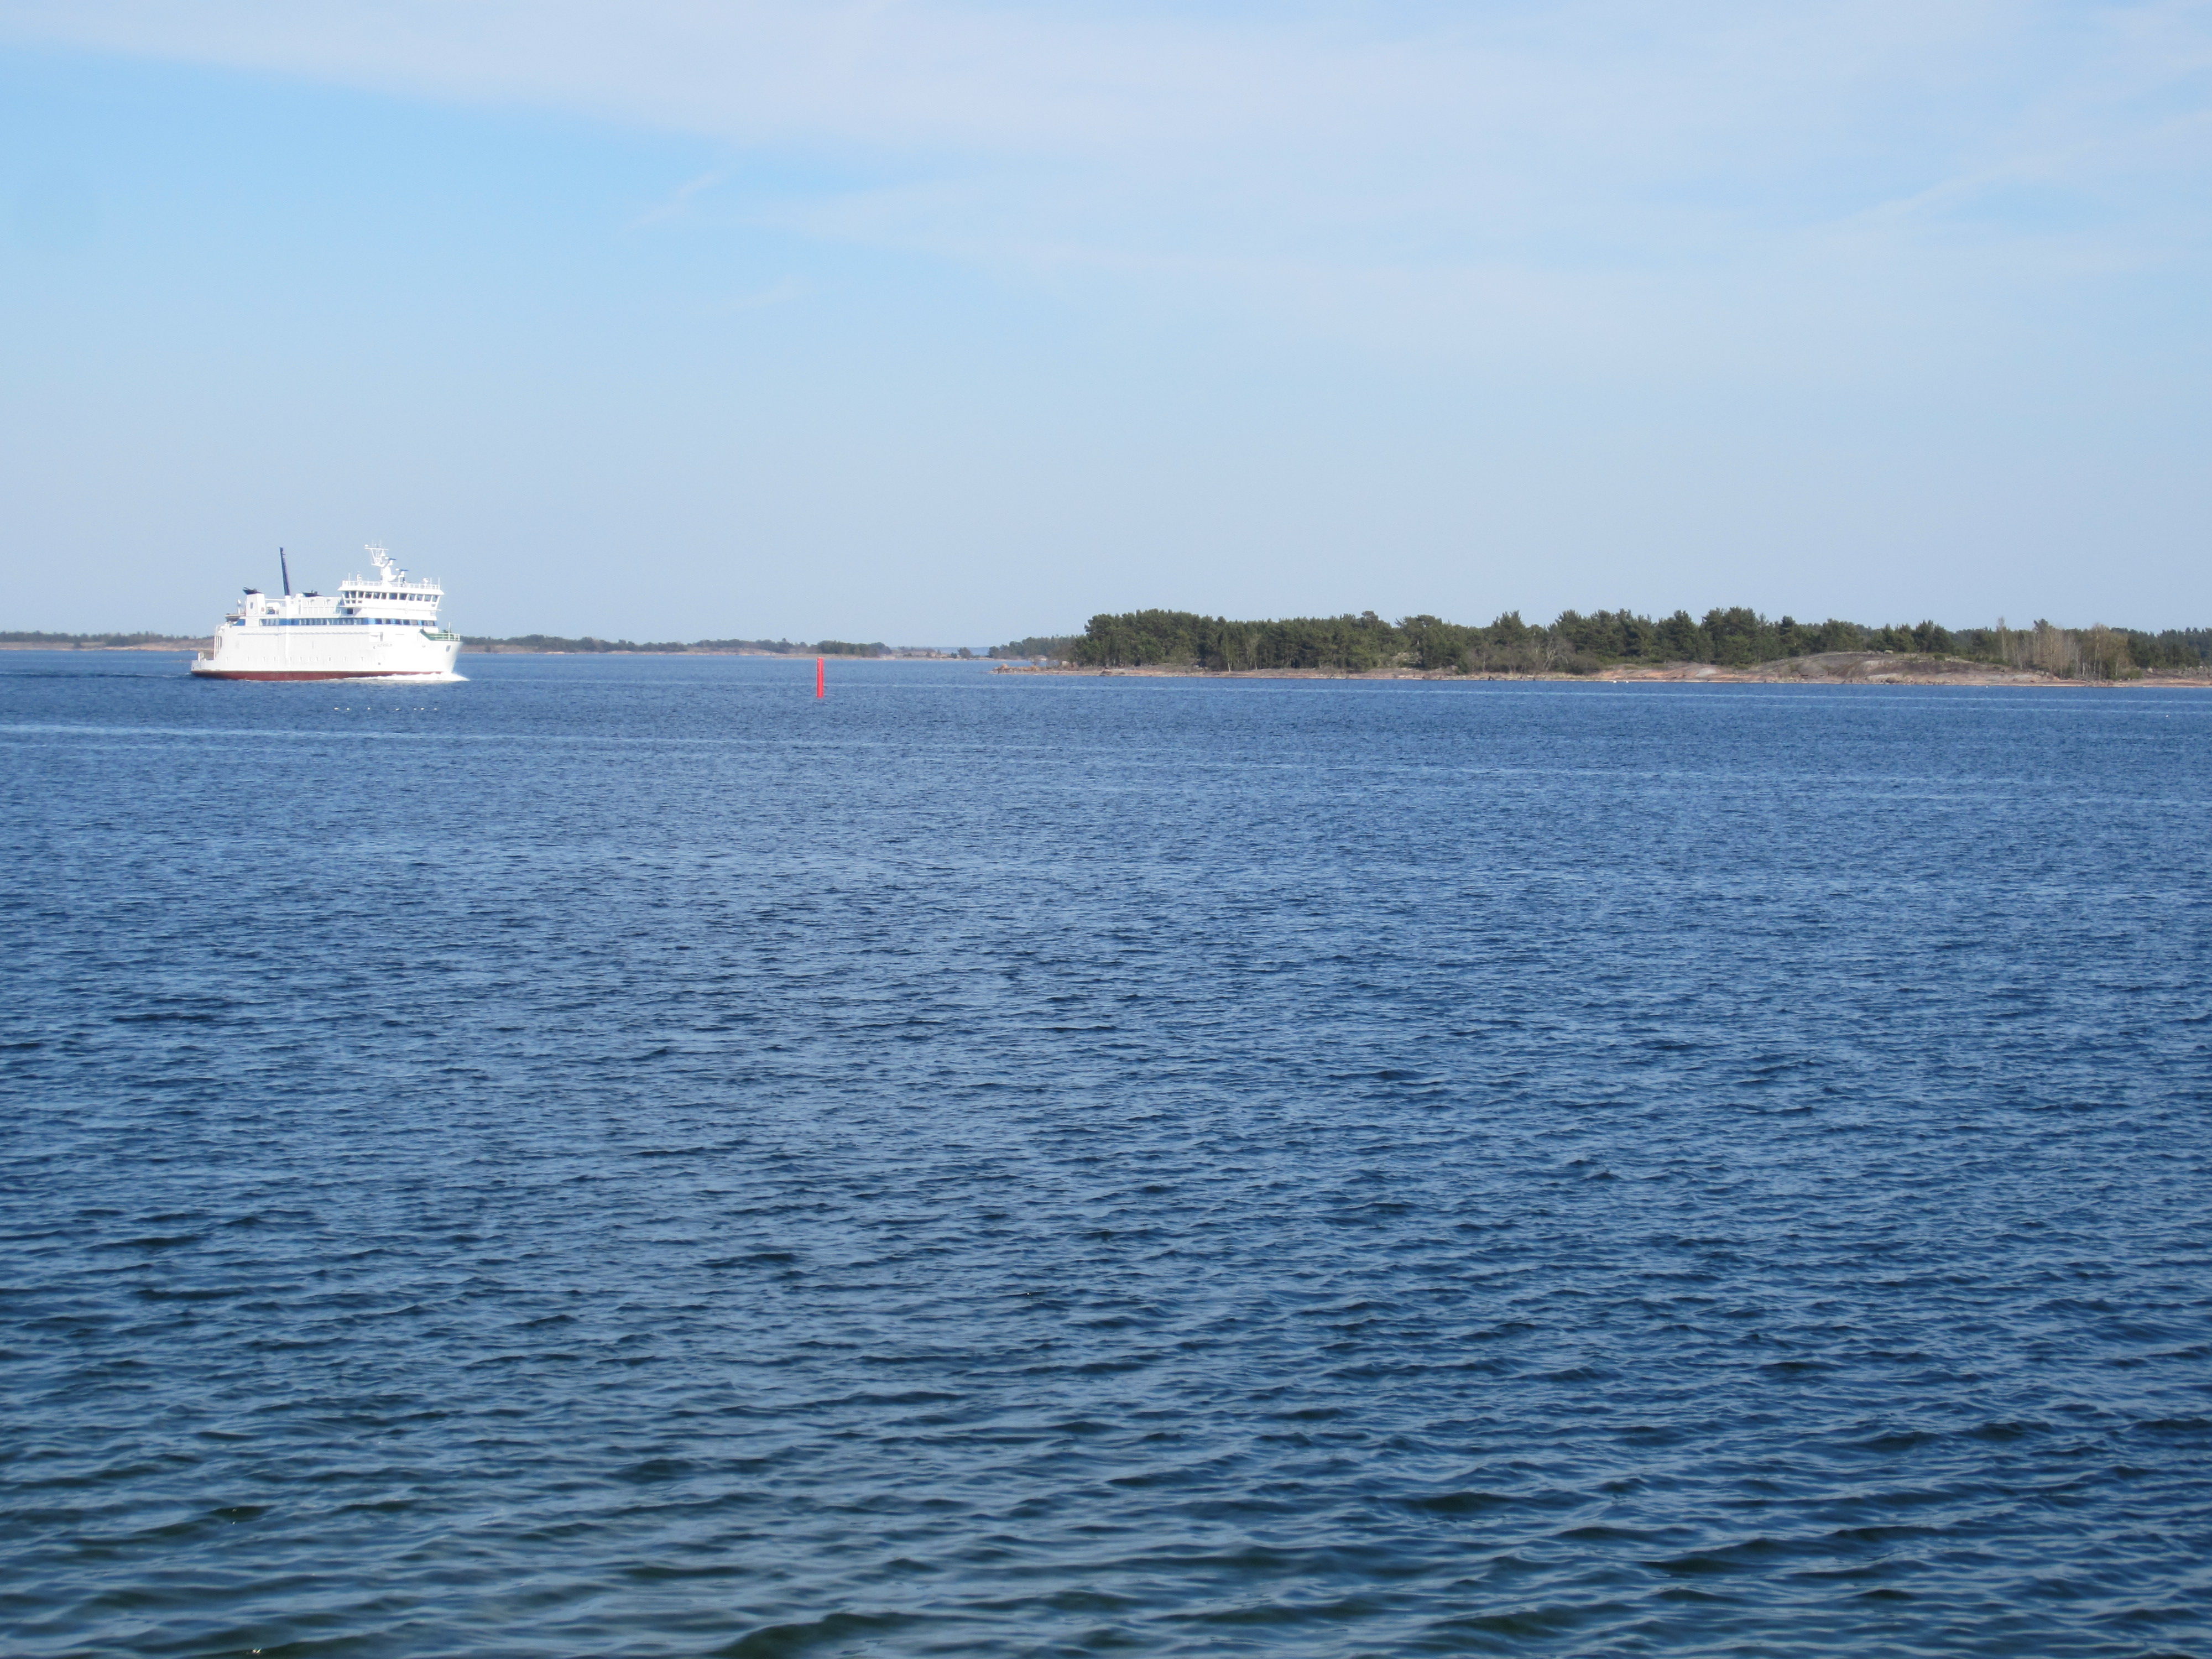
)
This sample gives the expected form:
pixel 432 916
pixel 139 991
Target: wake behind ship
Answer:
pixel 382 627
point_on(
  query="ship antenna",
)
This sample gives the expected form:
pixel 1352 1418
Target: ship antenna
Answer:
pixel 287 569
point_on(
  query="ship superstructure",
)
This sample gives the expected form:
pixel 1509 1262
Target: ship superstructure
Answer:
pixel 379 627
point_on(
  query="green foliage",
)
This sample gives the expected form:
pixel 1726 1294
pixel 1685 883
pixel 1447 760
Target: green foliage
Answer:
pixel 1733 636
pixel 1056 647
pixel 846 648
pixel 2174 647
pixel 1348 643
pixel 1434 644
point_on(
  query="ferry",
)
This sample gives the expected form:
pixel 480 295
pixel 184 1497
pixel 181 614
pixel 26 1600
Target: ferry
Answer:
pixel 377 628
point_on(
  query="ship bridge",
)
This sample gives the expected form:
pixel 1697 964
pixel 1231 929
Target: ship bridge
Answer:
pixel 389 599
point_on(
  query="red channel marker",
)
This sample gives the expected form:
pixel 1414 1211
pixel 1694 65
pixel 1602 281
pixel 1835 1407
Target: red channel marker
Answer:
pixel 820 690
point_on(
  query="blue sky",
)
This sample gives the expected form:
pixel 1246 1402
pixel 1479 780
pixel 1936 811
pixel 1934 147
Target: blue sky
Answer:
pixel 934 323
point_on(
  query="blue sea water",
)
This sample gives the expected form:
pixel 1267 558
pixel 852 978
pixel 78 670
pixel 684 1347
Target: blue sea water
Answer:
pixel 618 1158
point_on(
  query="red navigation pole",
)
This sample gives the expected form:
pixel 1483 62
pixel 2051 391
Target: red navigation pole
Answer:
pixel 820 691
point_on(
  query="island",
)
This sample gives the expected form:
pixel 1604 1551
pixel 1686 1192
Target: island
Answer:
pixel 1726 644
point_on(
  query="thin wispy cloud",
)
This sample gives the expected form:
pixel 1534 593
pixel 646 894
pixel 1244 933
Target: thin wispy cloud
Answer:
pixel 678 201
pixel 1591 132
pixel 775 294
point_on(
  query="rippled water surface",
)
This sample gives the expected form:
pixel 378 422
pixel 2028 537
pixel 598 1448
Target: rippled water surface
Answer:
pixel 617 1158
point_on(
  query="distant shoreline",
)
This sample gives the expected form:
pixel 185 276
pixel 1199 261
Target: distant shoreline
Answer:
pixel 1834 668
pixel 143 644
pixel 900 653
pixel 1837 668
pixel 502 649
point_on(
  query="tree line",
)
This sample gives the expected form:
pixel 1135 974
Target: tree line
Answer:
pixel 1052 647
pixel 1575 643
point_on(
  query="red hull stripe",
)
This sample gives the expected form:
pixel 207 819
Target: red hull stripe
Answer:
pixel 317 674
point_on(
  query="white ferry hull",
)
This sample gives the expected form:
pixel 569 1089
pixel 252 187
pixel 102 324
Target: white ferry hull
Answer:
pixel 312 653
pixel 383 627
